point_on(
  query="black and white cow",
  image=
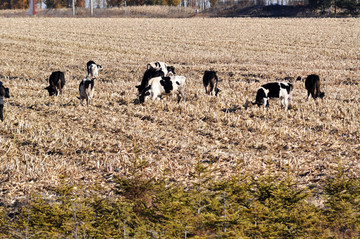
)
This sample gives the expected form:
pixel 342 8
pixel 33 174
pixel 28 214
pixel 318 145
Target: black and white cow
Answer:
pixel 93 69
pixel 149 74
pixel 165 85
pixel 210 81
pixel 312 85
pixel 164 67
pixel 86 90
pixel 57 82
pixel 4 92
pixel 281 90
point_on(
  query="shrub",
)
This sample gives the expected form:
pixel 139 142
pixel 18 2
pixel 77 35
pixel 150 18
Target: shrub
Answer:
pixel 342 205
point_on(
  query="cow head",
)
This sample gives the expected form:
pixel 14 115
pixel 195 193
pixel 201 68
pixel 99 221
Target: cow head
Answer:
pixel 52 91
pixel 217 91
pixel 171 70
pixel 7 94
pixel 99 67
pixel 144 94
pixel 260 95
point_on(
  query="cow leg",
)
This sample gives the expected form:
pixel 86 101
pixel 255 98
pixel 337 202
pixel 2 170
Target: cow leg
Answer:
pixel 154 95
pixel 58 87
pixel 183 95
pixel 312 94
pixel 1 112
pixel 266 103
pixel 286 103
pixel 92 93
pixel 211 91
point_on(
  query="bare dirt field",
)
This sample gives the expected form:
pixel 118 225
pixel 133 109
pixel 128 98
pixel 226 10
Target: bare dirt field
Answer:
pixel 47 139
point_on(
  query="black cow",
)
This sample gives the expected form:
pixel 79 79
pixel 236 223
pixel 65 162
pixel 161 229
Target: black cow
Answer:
pixel 4 92
pixel 149 74
pixel 57 82
pixel 312 85
pixel 210 81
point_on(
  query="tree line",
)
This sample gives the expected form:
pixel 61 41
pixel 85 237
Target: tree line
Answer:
pixel 351 7
pixel 24 4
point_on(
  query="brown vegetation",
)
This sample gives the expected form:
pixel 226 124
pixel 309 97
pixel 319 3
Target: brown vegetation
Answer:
pixel 45 139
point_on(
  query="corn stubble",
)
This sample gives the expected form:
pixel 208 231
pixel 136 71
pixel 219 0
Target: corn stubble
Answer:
pixel 44 139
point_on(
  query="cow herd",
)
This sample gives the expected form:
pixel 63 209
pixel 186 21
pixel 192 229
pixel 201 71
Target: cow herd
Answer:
pixel 160 79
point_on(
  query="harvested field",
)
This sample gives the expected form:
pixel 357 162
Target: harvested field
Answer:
pixel 44 139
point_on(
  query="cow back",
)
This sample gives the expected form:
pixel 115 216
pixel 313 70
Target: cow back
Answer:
pixel 55 77
pixel 287 86
pixel 167 84
pixel 311 81
pixel 273 88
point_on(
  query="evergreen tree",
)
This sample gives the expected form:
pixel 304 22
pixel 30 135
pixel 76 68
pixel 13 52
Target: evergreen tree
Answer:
pixel 279 209
pixel 69 216
pixel 343 204
pixel 233 206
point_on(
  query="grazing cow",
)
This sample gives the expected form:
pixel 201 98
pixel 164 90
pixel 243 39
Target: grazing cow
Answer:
pixel 57 82
pixel 168 70
pixel 86 90
pixel 312 85
pixel 281 90
pixel 159 86
pixel 4 92
pixel 93 69
pixel 149 74
pixel 210 81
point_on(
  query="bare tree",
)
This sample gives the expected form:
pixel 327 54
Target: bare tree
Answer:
pixel 73 7
pixel 91 8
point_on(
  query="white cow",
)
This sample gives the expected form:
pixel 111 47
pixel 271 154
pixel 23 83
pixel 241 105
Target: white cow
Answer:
pixel 281 90
pixel 93 69
pixel 159 86
pixel 86 90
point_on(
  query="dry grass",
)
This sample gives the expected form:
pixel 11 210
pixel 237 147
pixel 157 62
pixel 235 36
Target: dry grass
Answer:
pixel 45 139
